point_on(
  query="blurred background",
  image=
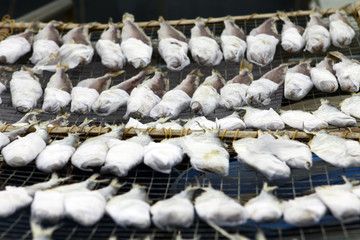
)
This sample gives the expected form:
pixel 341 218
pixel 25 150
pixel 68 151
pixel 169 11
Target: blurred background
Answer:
pixel 144 10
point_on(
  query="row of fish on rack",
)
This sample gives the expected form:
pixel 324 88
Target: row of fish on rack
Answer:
pixel 136 47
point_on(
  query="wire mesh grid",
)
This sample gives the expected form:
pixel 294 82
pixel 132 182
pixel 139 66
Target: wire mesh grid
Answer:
pixel 242 183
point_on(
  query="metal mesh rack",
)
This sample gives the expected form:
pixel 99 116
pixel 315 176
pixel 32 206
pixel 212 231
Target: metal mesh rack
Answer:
pixel 241 184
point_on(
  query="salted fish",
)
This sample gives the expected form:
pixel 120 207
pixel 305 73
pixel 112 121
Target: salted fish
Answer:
pixel 303 211
pixel 266 207
pixel 87 92
pixel 316 35
pixel 291 35
pixel 14 198
pixel 48 205
pixel 297 81
pixel 335 150
pixel 323 76
pixel 60 120
pixel 7 137
pixel 231 122
pixel 262 42
pixel 56 155
pixel 92 152
pixel 199 123
pixel 144 97
pixel 131 209
pixel 125 155
pixel 136 46
pixel 233 41
pixel 303 120
pixel 30 145
pixel 263 119
pixel 206 152
pixel 47 41
pixel 260 91
pixel 233 94
pixel 3 79
pixel 341 31
pixel 206 97
pixel 178 99
pixel 88 207
pixel 28 118
pixel 351 105
pixel 342 203
pixel 134 123
pixel 216 207
pixel 204 49
pixel 173 47
pixel 25 90
pixel 333 116
pixel 76 50
pixel 109 50
pixel 15 46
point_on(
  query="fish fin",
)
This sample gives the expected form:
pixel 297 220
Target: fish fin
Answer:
pixel 268 188
pixel 244 64
pixel 196 72
pixel 225 233
pixel 128 16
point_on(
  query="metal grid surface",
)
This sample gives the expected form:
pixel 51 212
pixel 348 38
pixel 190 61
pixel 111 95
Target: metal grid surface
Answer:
pixel 242 183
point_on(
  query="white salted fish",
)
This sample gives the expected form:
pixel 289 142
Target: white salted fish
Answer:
pixel 261 43
pixel 25 149
pixel 46 42
pixel 303 211
pixel 178 99
pixel 263 119
pixel 88 207
pixel 265 207
pixel 76 50
pixel 163 156
pixel 92 152
pixel 335 150
pixel 233 94
pixel 144 97
pixel 15 46
pixel 131 209
pixel 303 120
pixel 292 39
pixel 134 123
pixel 14 198
pixel 125 155
pixel 199 123
pixel 60 120
pixel 231 123
pixel 57 91
pixel 112 99
pixel 260 91
pixel 56 155
pixel 206 152
pixel 175 212
pixel 297 81
pixel 206 97
pixel 333 116
pixel 233 41
pixel 351 105
pixel 204 49
pixel 173 47
pixel 342 203
pixel 28 118
pixel 109 50
pixel 216 207
pixel 323 76
pixel 136 46
pixel 347 72
pixel 341 31
pixel 25 90
pixel 316 34
pixel 48 205
pixel 87 92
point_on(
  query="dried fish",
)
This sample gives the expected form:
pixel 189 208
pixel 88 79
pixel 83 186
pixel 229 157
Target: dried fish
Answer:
pixel 25 90
pixel 303 120
pixel 130 209
pixel 231 122
pixel 135 45
pixel 263 119
pixel 15 46
pixel 28 118
pixel 333 116
pixel 262 43
pixel 206 97
pixel 316 34
pixel 134 123
pixel 323 76
pixel 204 49
pixel 3 79
pixel 297 81
pixel 60 120
pixel 341 31
pixel 233 41
pixel 291 35
pixel 351 105
pixel 173 47
pixel 199 123
pixel 178 99
pixel 7 137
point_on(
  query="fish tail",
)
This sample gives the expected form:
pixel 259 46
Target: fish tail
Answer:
pixel 63 65
pixel 347 8
pixel 115 183
pixel 128 16
pixel 161 19
pixel 335 55
pixel 282 16
pixel 324 101
pixel 39 232
pixel 305 60
pixel 150 70
pixel 268 188
pixel 245 65
pixel 196 72
pixel 114 74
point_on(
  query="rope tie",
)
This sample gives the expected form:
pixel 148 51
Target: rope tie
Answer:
pixel 52 128
pixel 88 131
pixel 236 134
pixel 170 133
pixel 187 131
pixel 127 131
pixel 294 135
pixel 6 126
pixel 165 132
pixel 71 128
pixel 223 134
pixel 180 21
pixel 182 132
pixel 99 130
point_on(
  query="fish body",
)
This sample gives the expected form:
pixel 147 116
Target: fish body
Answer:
pixel 323 76
pixel 316 35
pixel 351 105
pixel 231 122
pixel 303 120
pixel 233 41
pixel 297 81
pixel 347 72
pixel 341 31
pixel 263 119
pixel 291 35
pixel 15 46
